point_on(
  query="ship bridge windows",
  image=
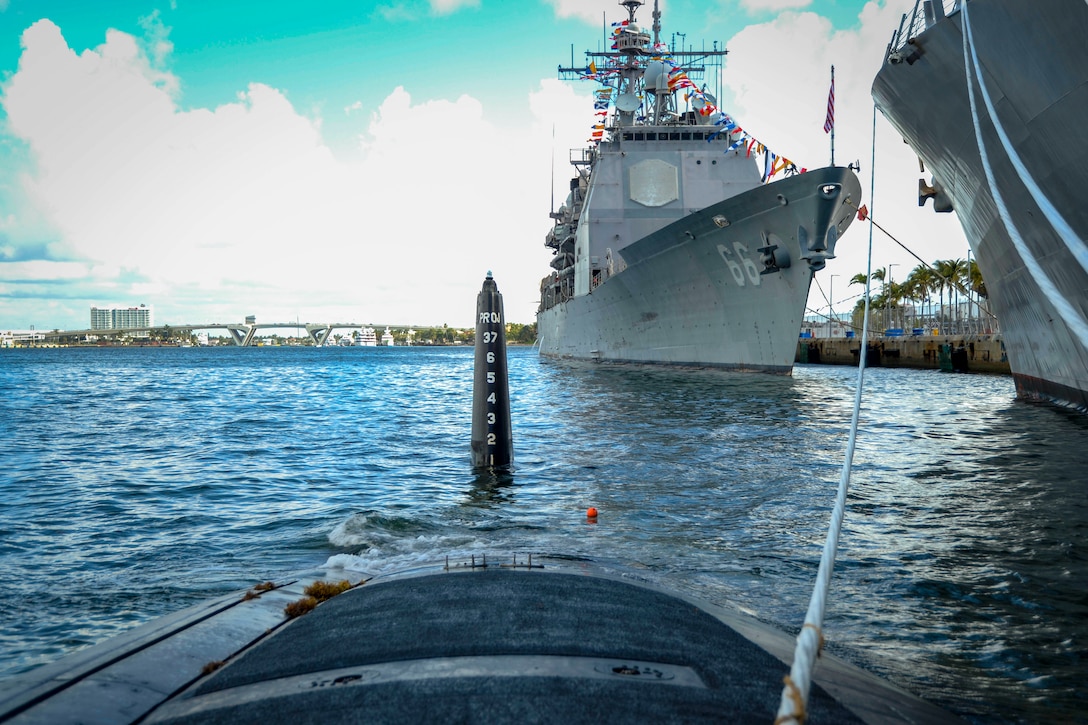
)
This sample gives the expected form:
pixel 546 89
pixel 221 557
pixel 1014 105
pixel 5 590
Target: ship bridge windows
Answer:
pixel 699 135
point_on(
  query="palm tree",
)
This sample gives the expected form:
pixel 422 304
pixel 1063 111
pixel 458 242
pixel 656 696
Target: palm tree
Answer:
pixel 941 269
pixel 912 290
pixel 924 281
pixel 974 279
pixel 877 302
pixel 977 285
pixel 950 271
pixel 956 270
pixel 895 293
pixel 913 294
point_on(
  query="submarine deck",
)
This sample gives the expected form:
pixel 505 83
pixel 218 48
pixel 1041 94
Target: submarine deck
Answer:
pixel 527 646
pixel 571 643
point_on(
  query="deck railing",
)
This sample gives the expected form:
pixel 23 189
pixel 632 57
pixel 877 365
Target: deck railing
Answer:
pixel 925 14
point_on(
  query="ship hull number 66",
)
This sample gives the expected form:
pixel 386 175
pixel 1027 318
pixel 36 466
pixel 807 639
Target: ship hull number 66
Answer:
pixel 742 267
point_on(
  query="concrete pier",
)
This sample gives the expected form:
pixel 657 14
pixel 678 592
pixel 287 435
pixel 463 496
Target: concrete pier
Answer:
pixel 960 353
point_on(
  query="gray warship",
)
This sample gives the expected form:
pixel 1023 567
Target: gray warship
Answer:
pixel 672 247
pixel 992 96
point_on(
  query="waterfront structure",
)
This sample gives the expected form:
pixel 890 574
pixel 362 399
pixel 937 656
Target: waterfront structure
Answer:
pixel 123 318
pixel 992 96
pixel 16 338
pixel 366 337
pixel 673 247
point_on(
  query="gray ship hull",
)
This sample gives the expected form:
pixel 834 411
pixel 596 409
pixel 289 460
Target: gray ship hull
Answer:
pixel 700 293
pixel 1034 67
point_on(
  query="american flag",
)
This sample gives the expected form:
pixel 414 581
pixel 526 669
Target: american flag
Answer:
pixel 829 122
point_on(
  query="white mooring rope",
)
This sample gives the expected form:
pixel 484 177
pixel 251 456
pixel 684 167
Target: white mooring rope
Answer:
pixel 791 708
pixel 798 683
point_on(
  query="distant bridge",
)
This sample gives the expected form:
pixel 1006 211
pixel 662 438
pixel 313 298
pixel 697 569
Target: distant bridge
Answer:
pixel 242 333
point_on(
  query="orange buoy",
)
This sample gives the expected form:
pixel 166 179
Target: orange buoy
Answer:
pixel 591 513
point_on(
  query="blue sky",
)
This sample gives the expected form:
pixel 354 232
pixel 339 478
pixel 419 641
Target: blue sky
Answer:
pixel 367 161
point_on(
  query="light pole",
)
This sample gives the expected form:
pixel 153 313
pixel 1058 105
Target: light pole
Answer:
pixel 831 304
pixel 970 321
pixel 888 290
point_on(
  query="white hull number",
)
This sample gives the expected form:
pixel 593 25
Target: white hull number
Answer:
pixel 744 270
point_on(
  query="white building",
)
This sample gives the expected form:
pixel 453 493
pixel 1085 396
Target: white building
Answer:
pixel 121 318
pixel 12 338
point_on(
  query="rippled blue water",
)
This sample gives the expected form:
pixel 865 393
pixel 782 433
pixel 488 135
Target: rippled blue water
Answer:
pixel 136 482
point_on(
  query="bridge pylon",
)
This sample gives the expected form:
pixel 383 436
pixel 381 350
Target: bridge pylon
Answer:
pixel 242 334
pixel 319 333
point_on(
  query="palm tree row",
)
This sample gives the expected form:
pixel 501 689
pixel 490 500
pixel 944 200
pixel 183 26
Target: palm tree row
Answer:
pixel 956 276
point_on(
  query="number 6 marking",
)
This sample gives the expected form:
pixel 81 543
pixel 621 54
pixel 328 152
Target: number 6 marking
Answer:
pixel 734 267
pixel 738 273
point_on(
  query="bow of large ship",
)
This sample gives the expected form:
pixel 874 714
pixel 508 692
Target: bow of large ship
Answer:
pixel 676 244
pixel 992 96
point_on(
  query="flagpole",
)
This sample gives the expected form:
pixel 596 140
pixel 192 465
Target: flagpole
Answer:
pixel 832 117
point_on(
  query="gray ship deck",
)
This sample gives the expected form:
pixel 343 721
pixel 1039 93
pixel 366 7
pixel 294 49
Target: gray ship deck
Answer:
pixel 494 645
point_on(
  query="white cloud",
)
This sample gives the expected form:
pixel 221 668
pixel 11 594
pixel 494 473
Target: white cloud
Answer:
pixel 156 39
pixel 43 270
pixel 128 178
pixel 214 213
pixel 778 74
pixel 773 5
pixel 591 11
pixel 445 7
pixel 247 200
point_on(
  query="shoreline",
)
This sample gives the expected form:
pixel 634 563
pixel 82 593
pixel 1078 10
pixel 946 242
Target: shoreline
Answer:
pixel 954 353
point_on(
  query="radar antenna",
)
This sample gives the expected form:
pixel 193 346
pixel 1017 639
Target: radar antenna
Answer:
pixel 632 6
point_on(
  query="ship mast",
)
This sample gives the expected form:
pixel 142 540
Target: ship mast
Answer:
pixel 641 98
pixel 631 42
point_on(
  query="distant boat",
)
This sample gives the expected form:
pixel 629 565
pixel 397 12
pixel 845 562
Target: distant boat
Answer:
pixel 1007 151
pixel 387 338
pixel 366 337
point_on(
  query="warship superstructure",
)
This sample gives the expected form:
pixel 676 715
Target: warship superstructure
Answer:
pixel 992 96
pixel 673 247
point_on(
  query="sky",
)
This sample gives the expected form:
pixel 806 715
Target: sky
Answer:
pixel 370 162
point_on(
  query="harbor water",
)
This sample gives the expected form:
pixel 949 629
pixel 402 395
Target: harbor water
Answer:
pixel 139 481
